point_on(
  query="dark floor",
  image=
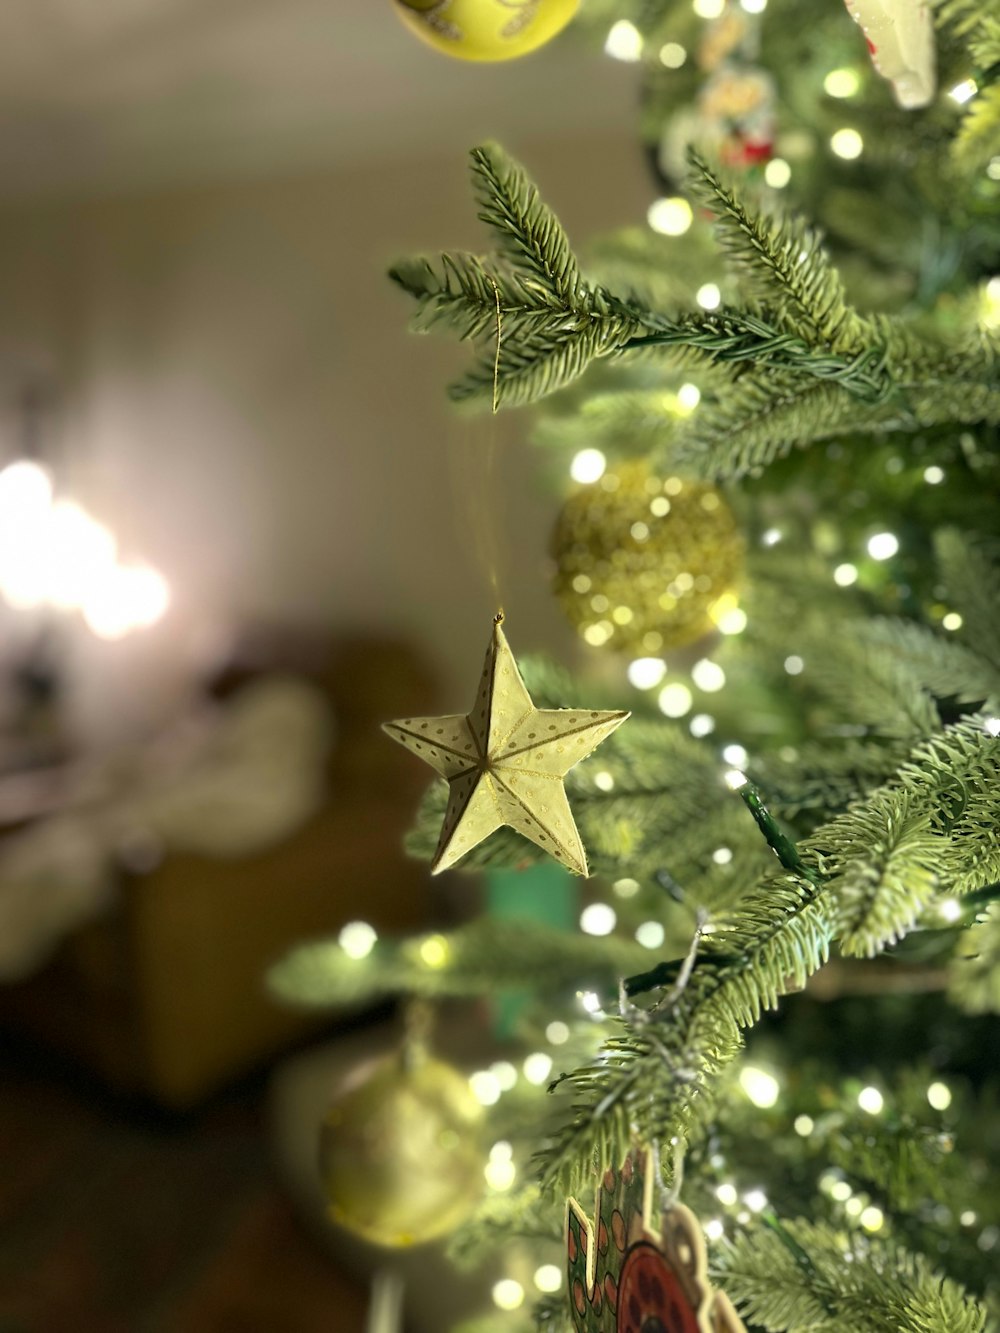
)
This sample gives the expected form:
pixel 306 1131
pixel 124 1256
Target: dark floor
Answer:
pixel 117 1220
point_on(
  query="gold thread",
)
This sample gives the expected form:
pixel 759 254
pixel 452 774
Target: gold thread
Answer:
pixel 496 359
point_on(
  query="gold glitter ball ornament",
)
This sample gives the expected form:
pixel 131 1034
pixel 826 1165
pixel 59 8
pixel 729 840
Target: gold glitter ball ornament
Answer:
pixel 400 1155
pixel 646 563
pixel 486 29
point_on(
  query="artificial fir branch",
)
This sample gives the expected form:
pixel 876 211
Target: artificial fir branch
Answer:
pixel 854 1283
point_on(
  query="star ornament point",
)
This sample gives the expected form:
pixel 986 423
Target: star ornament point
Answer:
pixel 505 762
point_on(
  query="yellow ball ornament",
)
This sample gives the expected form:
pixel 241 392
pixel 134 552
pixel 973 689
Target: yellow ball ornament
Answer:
pixel 646 563
pixel 400 1154
pixel 486 29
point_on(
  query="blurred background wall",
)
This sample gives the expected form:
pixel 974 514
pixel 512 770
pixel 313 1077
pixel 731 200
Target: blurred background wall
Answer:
pixel 199 205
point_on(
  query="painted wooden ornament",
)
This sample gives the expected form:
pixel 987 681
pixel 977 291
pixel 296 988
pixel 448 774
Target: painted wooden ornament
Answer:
pixel 636 1268
pixel 900 35
pixel 486 30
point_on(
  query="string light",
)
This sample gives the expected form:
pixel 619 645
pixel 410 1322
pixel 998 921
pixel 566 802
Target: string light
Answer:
pixel 735 755
pixel 675 700
pixel 625 888
pixel 603 781
pixel 645 673
pixel 537 1067
pixel 708 676
pixel 708 9
pixel 844 575
pixel 590 1001
pixel 760 1087
pixel 841 83
pixel 722 856
pixel 673 55
pixel 508 1294
pixel 871 1100
pixel 949 909
pixel 964 92
pixel 689 396
pixel 991 725
pixel 357 939
pixel 755 1200
pixel 777 173
pixel 549 1277
pixel 650 934
pixel 598 919
pixel 708 296
pixel 624 41
pixel 794 665
pixel 804 1125
pixel 734 779
pixel 557 1033
pixel 726 1194
pixel 939 1096
pixel 714 1229
pixel 588 466
pixel 485 1087
pixel 951 621
pixel 434 951
pixel 771 537
pixel 847 144
pixel 933 475
pixel 883 545
pixel 671 216
pixel 840 1190
pixel 500 1171
pixel 505 1074
pixel 702 724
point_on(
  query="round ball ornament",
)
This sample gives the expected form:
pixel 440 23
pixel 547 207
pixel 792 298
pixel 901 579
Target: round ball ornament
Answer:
pixel 646 563
pixel 400 1155
pixel 486 30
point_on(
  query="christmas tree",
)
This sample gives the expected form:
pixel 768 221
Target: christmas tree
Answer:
pixel 778 399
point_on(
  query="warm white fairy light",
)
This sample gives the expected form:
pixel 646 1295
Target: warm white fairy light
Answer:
pixel 689 396
pixel 722 856
pixel 968 1218
pixel 771 537
pixel 804 1125
pixel 871 1100
pixel 841 83
pixel 604 781
pixel 708 296
pixel 708 9
pixel 590 1001
pixel 840 1190
pixel 753 6
pixel 714 1229
pixel 708 675
pixel 508 1294
pixel 671 216
pixel 702 724
pixel 735 779
pixel 673 55
pixel 548 1277
pixel 726 1194
pixel 598 919
pixel 991 725
pixel 645 673
pixel 777 173
pixel 537 1067
pixel 485 1088
pixel 500 1171
pixel 598 634
pixel 624 41
pixel 794 665
pixel 939 1096
pixel 675 699
pixel 844 575
pixel 755 1200
pixel 357 939
pixel 505 1074
pixel 847 144
pixel 735 755
pixel 934 475
pixel 854 1206
pixel 883 545
pixel 557 1033
pixel 588 466
pixel 625 888
pixel 732 621
pixel 952 621
pixel 434 951
pixel 949 909
pixel 762 1088
pixel 650 934
pixel 964 92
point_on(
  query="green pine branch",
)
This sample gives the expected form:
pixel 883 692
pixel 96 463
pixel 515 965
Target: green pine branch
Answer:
pixel 975 969
pixel 797 1275
pixel 782 262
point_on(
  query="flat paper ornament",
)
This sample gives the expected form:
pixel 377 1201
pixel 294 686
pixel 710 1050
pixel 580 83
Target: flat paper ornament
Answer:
pixel 636 1268
pixel 486 29
pixel 505 762
pixel 900 36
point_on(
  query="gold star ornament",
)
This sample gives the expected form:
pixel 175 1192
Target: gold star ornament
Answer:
pixel 505 762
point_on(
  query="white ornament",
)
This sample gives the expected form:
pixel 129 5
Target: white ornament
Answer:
pixel 900 36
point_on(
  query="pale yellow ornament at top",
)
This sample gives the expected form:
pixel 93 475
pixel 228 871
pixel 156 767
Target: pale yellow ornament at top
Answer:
pixel 505 762
pixel 486 29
